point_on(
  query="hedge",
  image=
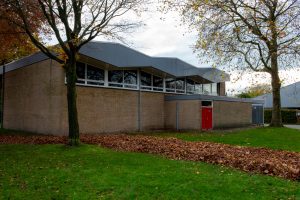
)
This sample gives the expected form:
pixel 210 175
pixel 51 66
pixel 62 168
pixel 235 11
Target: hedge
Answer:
pixel 288 116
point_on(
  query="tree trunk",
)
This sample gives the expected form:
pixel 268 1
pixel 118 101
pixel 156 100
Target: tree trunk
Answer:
pixel 276 85
pixel 72 99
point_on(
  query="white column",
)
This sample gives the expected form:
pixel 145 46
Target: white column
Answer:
pixel 106 78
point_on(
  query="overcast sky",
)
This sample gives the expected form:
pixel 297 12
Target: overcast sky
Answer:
pixel 163 35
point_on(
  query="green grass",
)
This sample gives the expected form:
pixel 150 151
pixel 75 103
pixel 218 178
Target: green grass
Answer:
pixel 274 138
pixel 91 172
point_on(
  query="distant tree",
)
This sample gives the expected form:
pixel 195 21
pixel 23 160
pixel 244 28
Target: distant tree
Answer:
pixel 262 35
pixel 255 91
pixel 74 23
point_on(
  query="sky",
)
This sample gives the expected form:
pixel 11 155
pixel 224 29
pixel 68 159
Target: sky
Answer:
pixel 164 35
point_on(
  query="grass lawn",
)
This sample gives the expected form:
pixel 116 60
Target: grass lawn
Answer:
pixel 91 172
pixel 274 138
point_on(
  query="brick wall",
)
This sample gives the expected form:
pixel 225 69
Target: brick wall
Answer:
pixel 35 101
pixel 231 114
pixel 189 117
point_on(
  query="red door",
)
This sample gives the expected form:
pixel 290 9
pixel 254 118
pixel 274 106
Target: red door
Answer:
pixel 206 118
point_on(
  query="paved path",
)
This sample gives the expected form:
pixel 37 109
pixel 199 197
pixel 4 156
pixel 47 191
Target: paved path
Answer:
pixel 294 126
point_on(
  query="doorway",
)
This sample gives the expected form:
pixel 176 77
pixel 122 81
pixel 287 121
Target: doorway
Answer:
pixel 207 116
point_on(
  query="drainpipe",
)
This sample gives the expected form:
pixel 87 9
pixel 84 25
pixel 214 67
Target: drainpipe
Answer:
pixel 2 93
pixel 139 100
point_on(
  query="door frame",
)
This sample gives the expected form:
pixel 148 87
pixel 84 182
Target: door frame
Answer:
pixel 212 113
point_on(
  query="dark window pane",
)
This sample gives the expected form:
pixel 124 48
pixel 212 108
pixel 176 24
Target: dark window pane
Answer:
pixel 206 103
pixel 130 77
pixel 80 70
pixel 115 85
pixel 115 76
pixel 81 82
pixel 94 83
pixel 158 89
pixel 145 79
pixel 170 83
pixel 190 86
pixel 94 73
pixel 157 82
pixel 146 88
pixel 180 84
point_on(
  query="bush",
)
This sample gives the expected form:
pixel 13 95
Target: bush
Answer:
pixel 288 116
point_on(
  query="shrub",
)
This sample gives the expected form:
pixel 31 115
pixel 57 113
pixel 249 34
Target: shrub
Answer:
pixel 288 116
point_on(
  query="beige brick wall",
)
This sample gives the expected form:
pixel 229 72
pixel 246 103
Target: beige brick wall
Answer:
pixel 189 117
pixel 152 110
pixel 231 114
pixel 114 110
pixel 35 101
pixel 170 114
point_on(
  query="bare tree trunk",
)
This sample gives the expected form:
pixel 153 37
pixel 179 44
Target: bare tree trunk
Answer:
pixel 276 85
pixel 72 99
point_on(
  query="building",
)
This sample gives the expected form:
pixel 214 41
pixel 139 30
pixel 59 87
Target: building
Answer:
pixel 290 97
pixel 119 89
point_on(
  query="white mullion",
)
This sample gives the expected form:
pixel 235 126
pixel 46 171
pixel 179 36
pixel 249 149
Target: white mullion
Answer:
pixel 151 82
pixel 164 84
pixel 139 79
pixel 123 82
pixel 185 85
pixel 106 78
pixel 85 73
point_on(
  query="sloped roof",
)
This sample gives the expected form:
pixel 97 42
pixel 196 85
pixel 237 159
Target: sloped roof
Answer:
pixel 122 56
pixel 290 97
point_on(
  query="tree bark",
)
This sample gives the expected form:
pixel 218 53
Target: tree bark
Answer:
pixel 72 102
pixel 276 85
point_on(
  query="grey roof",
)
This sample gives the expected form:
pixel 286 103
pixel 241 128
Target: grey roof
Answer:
pixel 290 97
pixel 213 98
pixel 122 56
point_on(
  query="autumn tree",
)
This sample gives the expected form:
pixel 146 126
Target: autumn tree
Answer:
pixel 261 35
pixel 74 23
pixel 14 41
pixel 255 90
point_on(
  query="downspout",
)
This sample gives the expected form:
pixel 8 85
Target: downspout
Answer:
pixel 139 100
pixel 2 94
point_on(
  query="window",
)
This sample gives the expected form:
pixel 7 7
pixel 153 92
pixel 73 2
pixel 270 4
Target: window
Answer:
pixel 214 89
pixel 95 76
pixel 206 103
pixel 80 72
pixel 146 82
pixel 180 85
pixel 170 84
pixel 115 78
pixel 207 88
pixel 198 88
pixel 190 86
pixel 158 83
pixel 130 79
pixel 122 78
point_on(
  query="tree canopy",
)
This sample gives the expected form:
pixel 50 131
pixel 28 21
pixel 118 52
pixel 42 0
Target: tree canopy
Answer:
pixel 14 41
pixel 256 90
